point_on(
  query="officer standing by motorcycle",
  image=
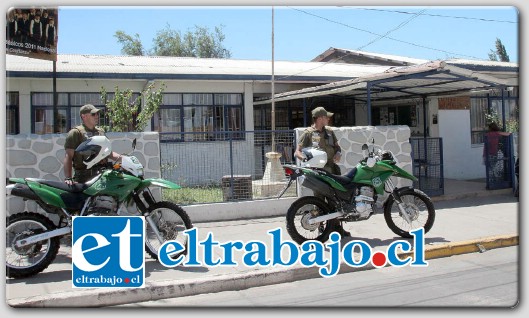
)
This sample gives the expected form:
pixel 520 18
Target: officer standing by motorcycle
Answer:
pixel 90 117
pixel 322 137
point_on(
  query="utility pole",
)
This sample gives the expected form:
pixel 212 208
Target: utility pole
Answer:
pixel 273 90
pixel 274 174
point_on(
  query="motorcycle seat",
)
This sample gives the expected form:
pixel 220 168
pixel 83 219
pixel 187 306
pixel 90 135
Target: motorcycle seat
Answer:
pixel 74 188
pixel 345 179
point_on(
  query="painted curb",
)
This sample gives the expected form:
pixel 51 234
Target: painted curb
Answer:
pixel 230 282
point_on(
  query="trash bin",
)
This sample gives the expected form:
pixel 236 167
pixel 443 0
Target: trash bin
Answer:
pixel 238 189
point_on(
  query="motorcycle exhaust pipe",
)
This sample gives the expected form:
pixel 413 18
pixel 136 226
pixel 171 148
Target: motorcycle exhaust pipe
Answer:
pixel 325 217
pixel 43 236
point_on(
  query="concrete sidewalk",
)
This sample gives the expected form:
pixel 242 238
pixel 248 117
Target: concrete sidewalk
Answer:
pixel 466 221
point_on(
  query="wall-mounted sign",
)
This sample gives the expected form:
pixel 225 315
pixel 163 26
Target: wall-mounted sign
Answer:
pixel 32 32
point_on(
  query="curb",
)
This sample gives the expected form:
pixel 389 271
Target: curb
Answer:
pixel 446 197
pixel 230 282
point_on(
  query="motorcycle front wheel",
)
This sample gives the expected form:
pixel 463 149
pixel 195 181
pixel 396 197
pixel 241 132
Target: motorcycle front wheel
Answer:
pixel 419 208
pixel 171 221
pixel 31 259
pixel 298 216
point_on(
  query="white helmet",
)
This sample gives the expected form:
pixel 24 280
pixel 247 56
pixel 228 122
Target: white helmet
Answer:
pixel 94 149
pixel 314 158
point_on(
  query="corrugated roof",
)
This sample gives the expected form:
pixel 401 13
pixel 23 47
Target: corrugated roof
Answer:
pixel 496 68
pixel 375 56
pixel 432 78
pixel 172 67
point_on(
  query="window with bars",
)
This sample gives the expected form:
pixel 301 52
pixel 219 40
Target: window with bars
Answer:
pixel 481 105
pixel 12 113
pixel 199 117
pixel 68 107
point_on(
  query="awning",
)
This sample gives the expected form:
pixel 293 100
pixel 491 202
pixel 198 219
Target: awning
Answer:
pixel 433 78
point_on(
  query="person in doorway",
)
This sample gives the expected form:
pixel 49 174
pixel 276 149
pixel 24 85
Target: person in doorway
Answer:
pixel 90 117
pixel 493 137
pixel 320 136
pixel 492 152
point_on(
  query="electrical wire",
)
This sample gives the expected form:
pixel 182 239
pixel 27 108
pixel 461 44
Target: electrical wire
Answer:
pixel 434 15
pixel 370 32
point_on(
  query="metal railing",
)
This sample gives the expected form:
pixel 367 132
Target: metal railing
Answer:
pixel 427 156
pixel 224 166
pixel 233 166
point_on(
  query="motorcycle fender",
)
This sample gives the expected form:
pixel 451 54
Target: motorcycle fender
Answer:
pixel 159 183
pixel 16 180
pixel 398 192
pixel 403 173
pixel 47 194
pixel 21 190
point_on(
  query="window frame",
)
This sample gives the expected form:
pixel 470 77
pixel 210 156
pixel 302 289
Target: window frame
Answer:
pixel 13 107
pixel 213 110
pixel 491 100
pixel 70 103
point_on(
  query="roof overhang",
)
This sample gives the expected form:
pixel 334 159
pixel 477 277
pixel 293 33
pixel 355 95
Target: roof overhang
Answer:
pixel 429 79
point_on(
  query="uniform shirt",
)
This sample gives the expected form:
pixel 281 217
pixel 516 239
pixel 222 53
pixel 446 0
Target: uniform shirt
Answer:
pixel 75 137
pixel 325 140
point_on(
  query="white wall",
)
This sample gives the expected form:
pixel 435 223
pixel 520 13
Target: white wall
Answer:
pixel 462 161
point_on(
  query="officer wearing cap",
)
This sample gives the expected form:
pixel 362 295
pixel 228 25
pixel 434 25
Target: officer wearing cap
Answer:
pixel 90 117
pixel 322 137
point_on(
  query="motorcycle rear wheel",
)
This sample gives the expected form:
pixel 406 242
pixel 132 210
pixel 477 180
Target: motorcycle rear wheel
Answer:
pixel 297 220
pixel 171 221
pixel 32 259
pixel 420 210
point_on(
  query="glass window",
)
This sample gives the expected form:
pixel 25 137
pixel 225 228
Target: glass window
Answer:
pixel 481 105
pixel 68 106
pixel 168 120
pixel 199 117
pixel 198 99
pixel 171 99
pixel 228 99
pixel 12 113
pixel 80 99
pixel 44 120
pixel 478 123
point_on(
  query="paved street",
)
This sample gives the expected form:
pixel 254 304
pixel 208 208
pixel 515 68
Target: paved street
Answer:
pixel 488 279
pixel 457 221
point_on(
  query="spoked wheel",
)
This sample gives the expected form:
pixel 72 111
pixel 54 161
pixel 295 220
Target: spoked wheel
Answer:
pixel 419 209
pixel 171 222
pixel 32 259
pixel 298 216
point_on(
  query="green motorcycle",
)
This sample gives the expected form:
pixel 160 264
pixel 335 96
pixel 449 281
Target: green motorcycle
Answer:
pixel 33 239
pixel 353 196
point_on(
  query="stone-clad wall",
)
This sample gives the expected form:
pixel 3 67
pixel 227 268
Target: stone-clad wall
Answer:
pixel 393 138
pixel 41 156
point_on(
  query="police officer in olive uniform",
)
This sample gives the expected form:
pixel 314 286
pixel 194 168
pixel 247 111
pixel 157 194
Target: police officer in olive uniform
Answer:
pixel 322 137
pixel 90 117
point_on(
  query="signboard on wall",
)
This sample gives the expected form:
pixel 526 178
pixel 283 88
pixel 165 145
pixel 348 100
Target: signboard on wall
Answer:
pixel 461 102
pixel 32 32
